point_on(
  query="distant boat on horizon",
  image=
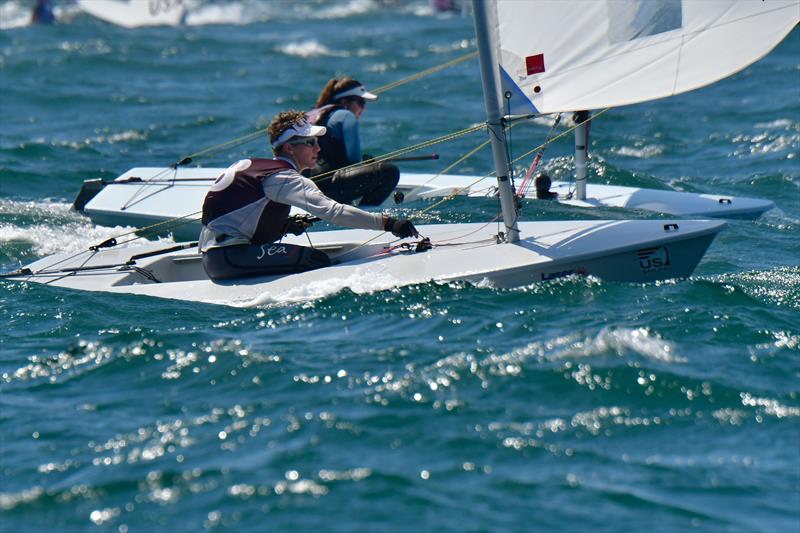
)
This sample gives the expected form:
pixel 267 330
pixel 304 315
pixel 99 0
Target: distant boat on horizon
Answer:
pixel 136 13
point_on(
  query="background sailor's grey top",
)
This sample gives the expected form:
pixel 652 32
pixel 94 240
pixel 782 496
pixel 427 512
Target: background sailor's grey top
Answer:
pixel 291 188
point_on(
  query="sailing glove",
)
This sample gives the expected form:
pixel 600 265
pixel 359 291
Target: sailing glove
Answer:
pixel 298 224
pixel 401 227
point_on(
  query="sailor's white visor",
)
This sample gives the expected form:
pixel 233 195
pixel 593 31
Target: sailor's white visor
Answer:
pixel 301 129
pixel 358 90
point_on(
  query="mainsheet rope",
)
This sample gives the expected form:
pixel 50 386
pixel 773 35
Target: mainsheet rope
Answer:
pixel 523 156
pixel 424 73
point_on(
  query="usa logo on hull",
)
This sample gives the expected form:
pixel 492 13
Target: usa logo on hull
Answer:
pixel 653 259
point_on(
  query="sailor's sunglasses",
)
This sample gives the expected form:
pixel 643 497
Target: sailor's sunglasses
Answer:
pixel 308 141
pixel 355 99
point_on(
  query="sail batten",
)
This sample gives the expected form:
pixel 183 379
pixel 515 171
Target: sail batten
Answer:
pixel 558 56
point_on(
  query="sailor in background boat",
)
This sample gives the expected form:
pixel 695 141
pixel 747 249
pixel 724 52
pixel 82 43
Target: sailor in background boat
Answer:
pixel 443 6
pixel 246 211
pixel 43 12
pixel 339 108
pixel 542 184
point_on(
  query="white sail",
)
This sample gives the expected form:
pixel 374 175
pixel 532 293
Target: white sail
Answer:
pixel 590 54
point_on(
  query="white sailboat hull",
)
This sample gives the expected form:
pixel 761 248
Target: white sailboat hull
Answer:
pixel 620 250
pixel 136 13
pixel 143 203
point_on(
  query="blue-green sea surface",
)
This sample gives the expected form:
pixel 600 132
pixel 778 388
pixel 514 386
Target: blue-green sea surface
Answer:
pixel 571 405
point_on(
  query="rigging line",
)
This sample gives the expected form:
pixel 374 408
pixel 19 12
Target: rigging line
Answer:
pixel 69 258
pixel 170 223
pixel 135 198
pixel 568 130
pixel 327 175
pixel 213 149
pixel 394 154
pixel 92 254
pixel 144 231
pixel 446 242
pixel 450 196
pixel 424 73
pixel 418 146
pixel 394 247
pixel 526 154
pixel 147 229
pixel 130 262
pixel 144 184
pixel 497 217
pixel 145 273
pixel 175 224
pixel 458 191
pixel 254 135
pixel 458 162
pixel 526 182
pixel 357 247
pixel 402 151
pixel 222 146
pixel 416 215
pixel 489 240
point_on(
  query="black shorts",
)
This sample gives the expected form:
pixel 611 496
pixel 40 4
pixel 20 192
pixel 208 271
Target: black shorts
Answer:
pixel 372 184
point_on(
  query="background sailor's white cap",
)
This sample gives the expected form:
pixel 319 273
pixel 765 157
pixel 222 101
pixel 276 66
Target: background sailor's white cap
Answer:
pixel 358 90
pixel 299 129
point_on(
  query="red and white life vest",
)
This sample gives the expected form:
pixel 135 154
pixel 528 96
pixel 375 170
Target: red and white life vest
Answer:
pixel 236 205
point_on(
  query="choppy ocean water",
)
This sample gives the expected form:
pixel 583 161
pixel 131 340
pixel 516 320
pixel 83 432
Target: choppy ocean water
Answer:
pixel 569 405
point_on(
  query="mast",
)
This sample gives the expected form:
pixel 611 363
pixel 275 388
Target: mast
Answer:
pixel 494 114
pixel 581 151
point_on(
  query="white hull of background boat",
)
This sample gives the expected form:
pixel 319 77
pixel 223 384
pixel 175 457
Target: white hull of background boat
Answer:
pixel 617 250
pixel 142 203
pixel 136 13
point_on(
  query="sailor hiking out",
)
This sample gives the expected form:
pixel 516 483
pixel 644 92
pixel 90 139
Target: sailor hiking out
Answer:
pixel 246 211
pixel 339 108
